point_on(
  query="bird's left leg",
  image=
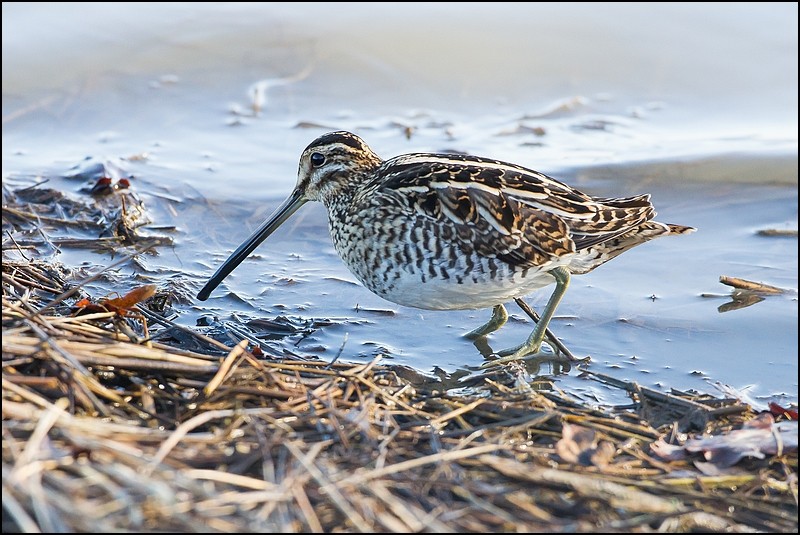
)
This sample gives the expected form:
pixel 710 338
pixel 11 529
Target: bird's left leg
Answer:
pixel 534 341
pixel 550 339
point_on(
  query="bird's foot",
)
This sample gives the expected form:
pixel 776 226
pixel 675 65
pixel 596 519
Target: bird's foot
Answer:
pixel 521 352
pixel 544 353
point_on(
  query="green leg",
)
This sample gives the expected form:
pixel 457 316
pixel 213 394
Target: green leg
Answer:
pixel 550 338
pixel 534 342
pixel 499 318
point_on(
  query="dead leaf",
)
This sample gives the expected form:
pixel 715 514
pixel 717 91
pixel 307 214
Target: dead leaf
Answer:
pixel 579 445
pixel 757 438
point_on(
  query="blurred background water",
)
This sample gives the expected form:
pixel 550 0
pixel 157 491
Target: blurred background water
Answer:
pixel 208 106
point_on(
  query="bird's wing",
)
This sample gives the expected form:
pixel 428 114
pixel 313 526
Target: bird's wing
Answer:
pixel 501 210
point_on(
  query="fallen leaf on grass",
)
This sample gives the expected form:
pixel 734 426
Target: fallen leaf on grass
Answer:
pixel 757 438
pixel 777 410
pixel 579 445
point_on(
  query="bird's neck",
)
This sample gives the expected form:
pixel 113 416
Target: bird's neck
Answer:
pixel 343 190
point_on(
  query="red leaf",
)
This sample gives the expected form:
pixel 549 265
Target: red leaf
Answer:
pixel 777 410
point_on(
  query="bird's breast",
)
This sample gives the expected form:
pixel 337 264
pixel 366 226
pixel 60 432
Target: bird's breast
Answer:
pixel 418 262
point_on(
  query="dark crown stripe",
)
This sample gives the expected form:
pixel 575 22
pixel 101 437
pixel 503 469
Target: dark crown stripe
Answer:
pixel 332 138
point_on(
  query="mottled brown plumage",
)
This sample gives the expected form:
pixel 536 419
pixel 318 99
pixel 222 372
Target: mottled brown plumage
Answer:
pixel 445 231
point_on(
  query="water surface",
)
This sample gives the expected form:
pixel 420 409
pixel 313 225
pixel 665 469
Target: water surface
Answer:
pixel 208 106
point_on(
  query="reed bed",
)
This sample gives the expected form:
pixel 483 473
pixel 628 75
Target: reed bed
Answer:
pixel 102 433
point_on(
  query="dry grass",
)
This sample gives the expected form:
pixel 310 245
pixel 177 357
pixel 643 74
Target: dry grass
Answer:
pixel 104 434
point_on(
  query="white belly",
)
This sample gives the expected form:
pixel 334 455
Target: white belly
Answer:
pixel 444 294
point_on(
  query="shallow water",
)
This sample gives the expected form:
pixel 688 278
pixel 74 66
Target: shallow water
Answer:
pixel 692 103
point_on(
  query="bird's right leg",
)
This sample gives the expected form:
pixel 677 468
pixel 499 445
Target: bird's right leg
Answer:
pixel 498 319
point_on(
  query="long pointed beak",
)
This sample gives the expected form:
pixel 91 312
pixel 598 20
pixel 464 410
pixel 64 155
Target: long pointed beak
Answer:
pixel 284 211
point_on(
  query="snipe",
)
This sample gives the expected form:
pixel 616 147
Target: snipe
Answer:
pixel 448 231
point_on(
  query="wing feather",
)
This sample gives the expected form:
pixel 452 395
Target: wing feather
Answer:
pixel 504 211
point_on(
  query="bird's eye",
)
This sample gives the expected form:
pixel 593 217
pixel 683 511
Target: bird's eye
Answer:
pixel 317 159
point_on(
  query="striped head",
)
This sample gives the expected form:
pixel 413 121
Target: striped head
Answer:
pixel 333 166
